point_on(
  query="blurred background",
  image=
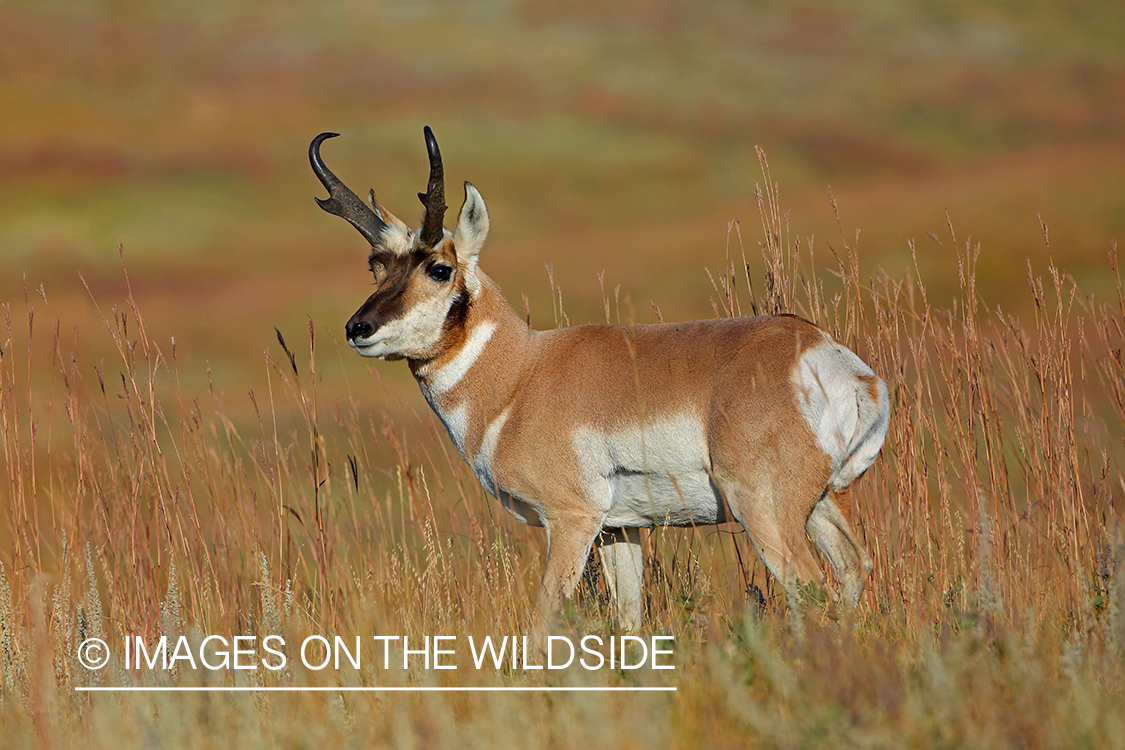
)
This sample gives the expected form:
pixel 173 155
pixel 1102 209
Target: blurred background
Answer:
pixel 614 137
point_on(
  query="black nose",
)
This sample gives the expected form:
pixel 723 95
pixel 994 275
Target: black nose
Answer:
pixel 358 329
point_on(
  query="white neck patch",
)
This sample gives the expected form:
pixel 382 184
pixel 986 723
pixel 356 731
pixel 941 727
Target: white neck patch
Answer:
pixel 452 372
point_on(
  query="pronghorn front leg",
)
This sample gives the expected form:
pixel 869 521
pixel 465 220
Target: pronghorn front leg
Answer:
pixel 623 562
pixel 569 539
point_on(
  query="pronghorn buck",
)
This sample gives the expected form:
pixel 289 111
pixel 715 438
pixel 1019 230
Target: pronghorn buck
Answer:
pixel 597 431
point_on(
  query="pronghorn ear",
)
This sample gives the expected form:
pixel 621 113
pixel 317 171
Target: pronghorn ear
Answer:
pixel 385 215
pixel 472 227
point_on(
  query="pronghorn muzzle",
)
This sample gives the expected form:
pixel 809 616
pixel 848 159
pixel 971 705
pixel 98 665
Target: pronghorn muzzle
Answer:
pixel 358 328
pixel 389 301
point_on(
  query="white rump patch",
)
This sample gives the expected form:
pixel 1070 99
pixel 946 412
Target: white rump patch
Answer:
pixel 833 389
pixel 451 373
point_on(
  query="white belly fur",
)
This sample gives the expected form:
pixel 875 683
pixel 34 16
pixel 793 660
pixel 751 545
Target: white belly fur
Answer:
pixel 646 500
pixel 653 475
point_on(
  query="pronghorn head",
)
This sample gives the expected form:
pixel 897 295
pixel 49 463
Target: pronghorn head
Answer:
pixel 425 278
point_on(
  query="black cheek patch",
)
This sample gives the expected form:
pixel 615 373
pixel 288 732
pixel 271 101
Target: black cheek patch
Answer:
pixel 458 311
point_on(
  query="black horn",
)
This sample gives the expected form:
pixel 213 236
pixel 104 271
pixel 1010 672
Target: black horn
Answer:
pixel 341 200
pixel 434 197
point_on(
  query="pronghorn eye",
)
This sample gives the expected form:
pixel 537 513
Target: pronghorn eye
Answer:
pixel 440 272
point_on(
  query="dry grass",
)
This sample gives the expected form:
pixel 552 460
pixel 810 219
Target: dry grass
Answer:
pixel 996 613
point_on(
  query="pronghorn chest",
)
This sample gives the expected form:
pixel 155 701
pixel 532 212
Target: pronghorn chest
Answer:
pixel 455 418
pixel 477 442
pixel 436 385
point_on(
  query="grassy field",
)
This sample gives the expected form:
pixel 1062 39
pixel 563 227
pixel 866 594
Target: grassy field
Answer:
pixel 170 467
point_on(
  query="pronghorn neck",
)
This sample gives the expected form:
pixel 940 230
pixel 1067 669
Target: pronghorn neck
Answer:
pixel 489 332
pixel 474 379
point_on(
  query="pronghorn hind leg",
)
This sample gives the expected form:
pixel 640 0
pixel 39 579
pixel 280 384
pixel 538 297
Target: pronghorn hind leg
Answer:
pixel 830 531
pixel 770 516
pixel 623 561
pixel 789 560
pixel 569 539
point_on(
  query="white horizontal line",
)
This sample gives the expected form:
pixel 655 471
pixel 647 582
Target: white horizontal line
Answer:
pixel 354 689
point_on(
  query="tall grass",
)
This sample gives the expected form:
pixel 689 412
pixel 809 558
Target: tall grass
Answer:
pixel 996 612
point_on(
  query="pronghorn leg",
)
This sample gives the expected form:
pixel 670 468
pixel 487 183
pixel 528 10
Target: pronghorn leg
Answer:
pixel 830 531
pixel 774 515
pixel 623 562
pixel 789 559
pixel 569 539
